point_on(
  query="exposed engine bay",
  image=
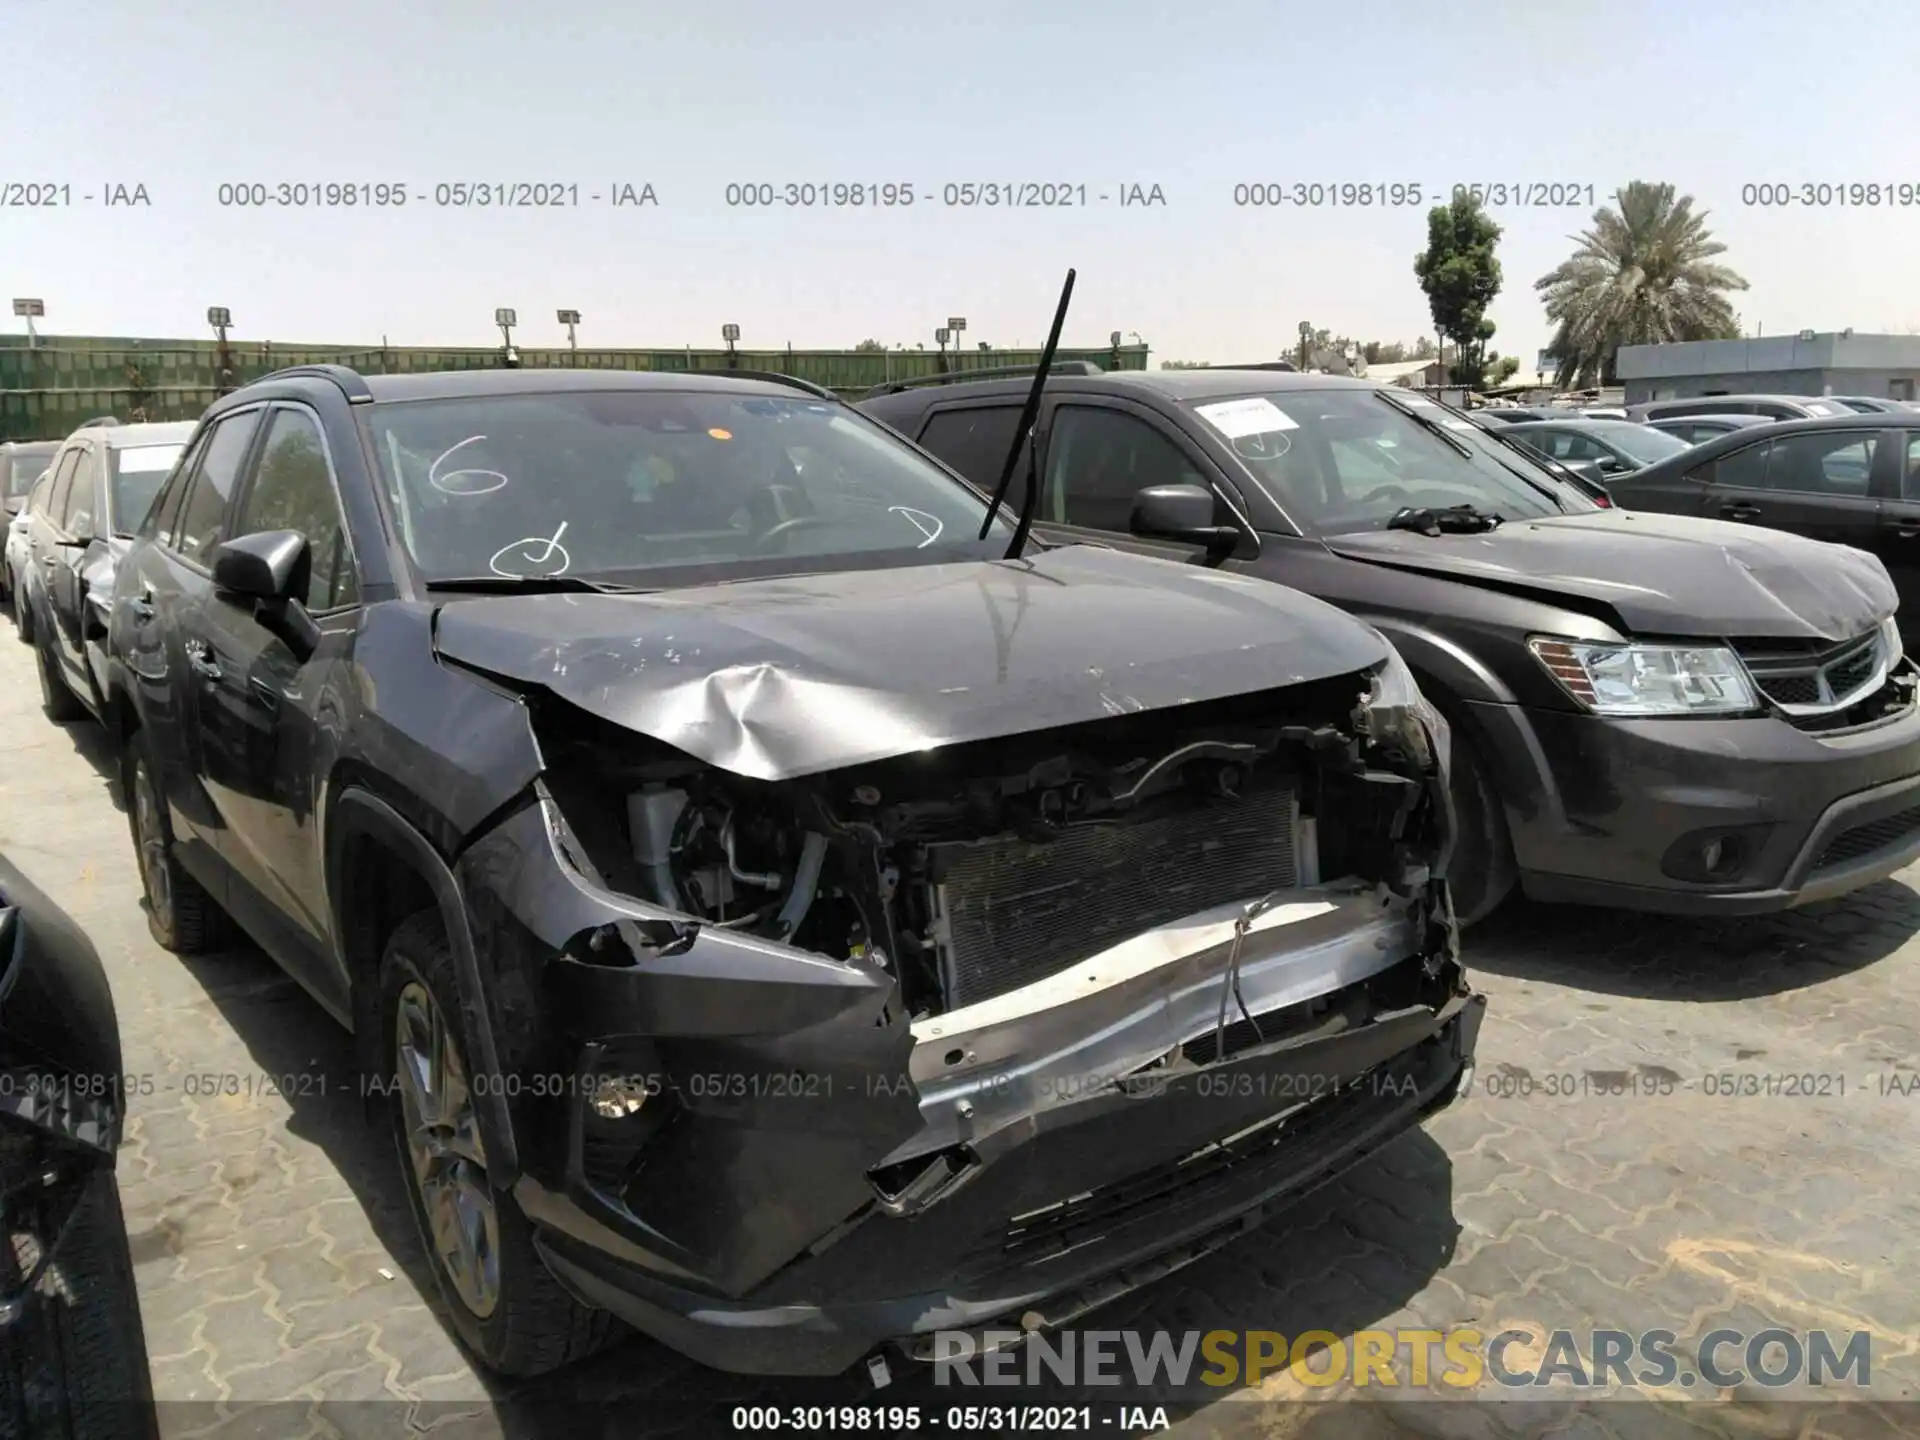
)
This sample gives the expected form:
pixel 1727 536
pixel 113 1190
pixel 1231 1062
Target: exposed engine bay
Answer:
pixel 974 870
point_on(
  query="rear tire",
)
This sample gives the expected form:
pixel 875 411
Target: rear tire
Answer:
pixel 76 1367
pixel 1482 872
pixel 56 697
pixel 22 613
pixel 181 915
pixel 501 1299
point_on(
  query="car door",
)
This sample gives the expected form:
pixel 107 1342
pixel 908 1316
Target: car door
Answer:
pixel 261 704
pixel 72 539
pixel 1897 541
pixel 43 535
pixel 1815 483
pixel 172 587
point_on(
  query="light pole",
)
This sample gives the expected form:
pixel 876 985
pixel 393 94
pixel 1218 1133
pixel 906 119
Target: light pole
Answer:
pixel 220 318
pixel 731 334
pixel 1306 334
pixel 506 320
pixel 1113 344
pixel 940 338
pixel 570 318
pixel 27 310
pixel 956 327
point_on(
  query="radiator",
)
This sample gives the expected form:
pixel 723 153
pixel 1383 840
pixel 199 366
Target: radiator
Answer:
pixel 1010 912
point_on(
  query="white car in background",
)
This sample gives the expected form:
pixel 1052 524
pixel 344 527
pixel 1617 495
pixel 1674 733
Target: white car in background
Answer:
pixel 17 557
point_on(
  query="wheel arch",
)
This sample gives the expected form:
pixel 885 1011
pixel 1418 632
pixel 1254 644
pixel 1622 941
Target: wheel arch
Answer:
pixel 380 870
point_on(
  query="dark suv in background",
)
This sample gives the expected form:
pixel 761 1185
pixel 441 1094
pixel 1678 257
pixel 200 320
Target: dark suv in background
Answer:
pixel 1652 711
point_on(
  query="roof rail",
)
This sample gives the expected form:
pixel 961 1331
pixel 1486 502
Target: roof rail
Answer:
pixel 991 372
pixel 772 377
pixel 345 376
pixel 98 421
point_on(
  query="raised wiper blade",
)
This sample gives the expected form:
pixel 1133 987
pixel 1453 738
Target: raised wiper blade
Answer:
pixel 1453 520
pixel 1427 423
pixel 511 584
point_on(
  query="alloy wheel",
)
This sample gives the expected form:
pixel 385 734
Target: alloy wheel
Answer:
pixel 442 1133
pixel 152 836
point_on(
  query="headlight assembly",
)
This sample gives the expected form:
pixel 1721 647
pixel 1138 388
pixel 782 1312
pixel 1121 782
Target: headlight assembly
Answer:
pixel 1643 680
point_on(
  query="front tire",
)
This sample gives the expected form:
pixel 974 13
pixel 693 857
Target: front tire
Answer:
pixel 56 696
pixel 181 915
pixel 76 1367
pixel 501 1299
pixel 1482 872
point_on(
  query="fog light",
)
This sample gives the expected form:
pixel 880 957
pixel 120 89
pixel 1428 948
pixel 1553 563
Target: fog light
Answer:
pixel 616 1097
pixel 1717 856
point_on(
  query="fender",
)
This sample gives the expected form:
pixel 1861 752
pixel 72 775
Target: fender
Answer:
pixel 360 812
pixel 1470 695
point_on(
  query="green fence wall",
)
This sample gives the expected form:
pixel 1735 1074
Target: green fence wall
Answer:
pixel 48 390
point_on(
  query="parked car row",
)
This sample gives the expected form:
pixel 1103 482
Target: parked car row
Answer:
pixel 706 740
pixel 697 739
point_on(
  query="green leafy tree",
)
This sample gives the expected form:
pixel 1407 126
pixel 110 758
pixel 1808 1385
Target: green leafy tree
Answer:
pixel 1499 370
pixel 1644 274
pixel 868 347
pixel 1461 275
pixel 1183 364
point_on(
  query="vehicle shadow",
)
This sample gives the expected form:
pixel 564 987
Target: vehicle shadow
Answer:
pixel 1343 1258
pixel 91 743
pixel 1710 958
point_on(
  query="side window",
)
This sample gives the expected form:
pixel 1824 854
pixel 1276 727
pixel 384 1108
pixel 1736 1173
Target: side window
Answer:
pixel 1910 479
pixel 1097 459
pixel 62 485
pixel 1745 469
pixel 204 510
pixel 974 441
pixel 78 519
pixel 166 505
pixel 292 489
pixel 1832 462
pixel 37 501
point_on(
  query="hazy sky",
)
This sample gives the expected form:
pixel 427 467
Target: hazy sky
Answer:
pixel 1193 97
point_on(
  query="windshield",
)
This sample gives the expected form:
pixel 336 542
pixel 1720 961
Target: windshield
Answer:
pixel 20 468
pixel 1826 407
pixel 138 473
pixel 649 483
pixel 1641 443
pixel 1344 460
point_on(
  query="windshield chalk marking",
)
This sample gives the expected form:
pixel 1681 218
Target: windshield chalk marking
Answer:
pixel 919 519
pixel 553 548
pixel 440 482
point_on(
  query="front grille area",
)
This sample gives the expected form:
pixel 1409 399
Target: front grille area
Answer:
pixel 1016 911
pixel 1829 688
pixel 1864 839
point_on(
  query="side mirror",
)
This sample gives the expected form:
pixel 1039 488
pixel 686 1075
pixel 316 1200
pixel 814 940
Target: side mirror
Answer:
pixel 271 570
pixel 272 565
pixel 1183 513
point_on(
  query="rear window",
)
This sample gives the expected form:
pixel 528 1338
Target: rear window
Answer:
pixel 138 471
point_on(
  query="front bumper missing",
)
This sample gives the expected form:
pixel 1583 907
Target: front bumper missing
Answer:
pixel 769 1229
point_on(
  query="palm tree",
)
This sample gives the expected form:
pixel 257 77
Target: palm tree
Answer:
pixel 1644 274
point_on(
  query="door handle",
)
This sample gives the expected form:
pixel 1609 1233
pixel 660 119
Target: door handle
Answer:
pixel 1740 512
pixel 1907 529
pixel 201 659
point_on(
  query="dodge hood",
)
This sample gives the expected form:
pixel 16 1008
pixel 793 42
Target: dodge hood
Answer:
pixel 1661 574
pixel 776 678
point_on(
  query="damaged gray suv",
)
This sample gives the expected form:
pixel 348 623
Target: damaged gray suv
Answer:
pixel 776 917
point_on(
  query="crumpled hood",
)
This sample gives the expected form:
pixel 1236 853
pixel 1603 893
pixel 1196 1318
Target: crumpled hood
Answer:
pixel 1661 574
pixel 777 678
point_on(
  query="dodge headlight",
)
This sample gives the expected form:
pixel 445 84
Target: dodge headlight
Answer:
pixel 1648 679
